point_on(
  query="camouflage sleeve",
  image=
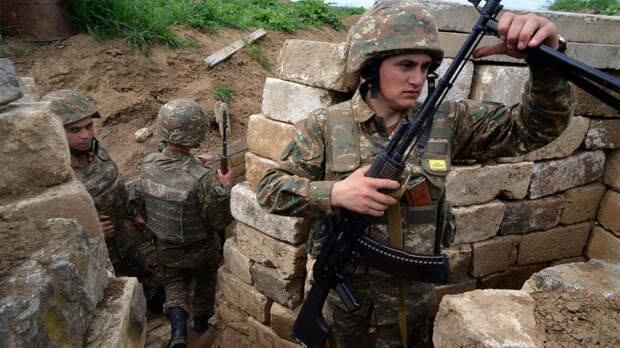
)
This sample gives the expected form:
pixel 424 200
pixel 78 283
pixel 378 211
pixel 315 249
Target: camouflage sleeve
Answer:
pixel 215 202
pixel 135 197
pixel 295 187
pixel 483 130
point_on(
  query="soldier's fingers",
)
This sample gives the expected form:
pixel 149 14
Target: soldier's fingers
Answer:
pixel 530 26
pixel 383 184
pixel 103 217
pixel 383 199
pixel 548 34
pixel 484 51
pixel 504 23
pixel 512 37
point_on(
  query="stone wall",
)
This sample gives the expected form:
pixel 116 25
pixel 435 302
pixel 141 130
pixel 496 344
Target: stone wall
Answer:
pixel 514 216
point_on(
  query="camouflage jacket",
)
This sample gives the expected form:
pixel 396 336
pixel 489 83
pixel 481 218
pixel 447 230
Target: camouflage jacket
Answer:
pixel 301 184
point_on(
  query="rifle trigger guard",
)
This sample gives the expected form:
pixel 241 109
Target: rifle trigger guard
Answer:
pixel 404 182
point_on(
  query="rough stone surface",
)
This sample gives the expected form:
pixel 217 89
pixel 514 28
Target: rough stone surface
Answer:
pixel 291 102
pixel 467 185
pixel 558 175
pixel 581 203
pixel 556 243
pixel 287 292
pixel 609 211
pixel 289 260
pixel 256 167
pixel 563 146
pixel 120 318
pixel 142 134
pixel 459 258
pixel 603 134
pixel 487 318
pixel 268 138
pixel 611 175
pixel 588 105
pixel 603 245
pixel 31 92
pixel 595 277
pixel 451 42
pixel 462 85
pixel 453 289
pixel 494 255
pixel 479 222
pixel 264 336
pixel 316 64
pixel 244 208
pixel 243 295
pixel 499 83
pixel 531 215
pixel 237 263
pixel 33 148
pixel 230 314
pixel 512 278
pixel 11 86
pixel 233 338
pixel 282 320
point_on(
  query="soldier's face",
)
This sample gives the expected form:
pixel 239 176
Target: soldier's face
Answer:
pixel 80 134
pixel 401 78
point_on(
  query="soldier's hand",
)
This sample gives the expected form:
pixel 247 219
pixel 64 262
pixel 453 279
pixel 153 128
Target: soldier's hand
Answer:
pixel 360 194
pixel 139 223
pixel 106 226
pixel 227 179
pixel 206 159
pixel 518 32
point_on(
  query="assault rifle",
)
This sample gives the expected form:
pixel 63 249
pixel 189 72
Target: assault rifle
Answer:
pixel 347 242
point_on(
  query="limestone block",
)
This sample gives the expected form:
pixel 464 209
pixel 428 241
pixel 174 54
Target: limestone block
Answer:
pixel 316 64
pixel 603 245
pixel 120 318
pixel 588 105
pixel 237 263
pixel 611 175
pixel 232 338
pixel 11 86
pixel 477 222
pixel 282 320
pixel 556 243
pixel 256 167
pixel 287 292
pixel 558 175
pixel 512 278
pixel 264 336
pixel 487 318
pixel 33 148
pixel 289 260
pixel 603 134
pixel 499 83
pixel 237 159
pixel 31 93
pixel 467 185
pixel 609 212
pixel 291 102
pixel 230 314
pixel 453 289
pixel 268 138
pixel 494 255
pixel 461 87
pixel 581 203
pixel 245 208
pixel 459 259
pixel 568 260
pixel 243 295
pixel 531 215
pixel 69 200
pixel 562 146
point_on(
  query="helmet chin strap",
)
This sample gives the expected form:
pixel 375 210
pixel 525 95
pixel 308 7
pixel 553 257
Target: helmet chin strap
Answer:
pixel 371 79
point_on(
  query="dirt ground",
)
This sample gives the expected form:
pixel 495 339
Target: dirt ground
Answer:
pixel 129 88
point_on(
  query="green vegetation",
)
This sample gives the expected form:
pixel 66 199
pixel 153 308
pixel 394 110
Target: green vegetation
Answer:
pixel 5 46
pixel 143 22
pixel 607 7
pixel 257 52
pixel 223 93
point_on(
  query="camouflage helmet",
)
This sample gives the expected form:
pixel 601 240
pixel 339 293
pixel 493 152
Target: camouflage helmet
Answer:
pixel 182 122
pixel 392 27
pixel 71 106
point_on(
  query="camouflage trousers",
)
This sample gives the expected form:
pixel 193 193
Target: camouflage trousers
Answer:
pixel 379 298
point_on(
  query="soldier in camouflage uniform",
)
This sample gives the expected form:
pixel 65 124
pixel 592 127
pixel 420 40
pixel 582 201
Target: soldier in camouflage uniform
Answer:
pixel 394 46
pixel 186 205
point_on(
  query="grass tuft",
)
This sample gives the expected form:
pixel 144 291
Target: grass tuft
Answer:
pixel 223 93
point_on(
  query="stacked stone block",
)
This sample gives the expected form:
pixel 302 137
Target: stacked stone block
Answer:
pixel 514 216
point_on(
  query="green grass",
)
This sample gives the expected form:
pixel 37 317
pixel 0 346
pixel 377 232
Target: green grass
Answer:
pixel 608 7
pixel 6 46
pixel 257 52
pixel 141 23
pixel 223 93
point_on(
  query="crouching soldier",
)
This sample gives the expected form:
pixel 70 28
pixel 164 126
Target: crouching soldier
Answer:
pixel 185 206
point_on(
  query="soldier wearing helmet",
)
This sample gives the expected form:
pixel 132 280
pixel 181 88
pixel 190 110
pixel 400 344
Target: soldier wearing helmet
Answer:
pixel 394 46
pixel 186 206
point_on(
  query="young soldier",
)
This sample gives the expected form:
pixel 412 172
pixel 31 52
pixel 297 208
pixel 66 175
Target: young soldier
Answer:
pixel 394 46
pixel 186 205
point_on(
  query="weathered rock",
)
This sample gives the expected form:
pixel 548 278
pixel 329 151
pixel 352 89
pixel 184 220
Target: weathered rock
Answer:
pixel 244 208
pixel 558 175
pixel 531 215
pixel 282 320
pixel 459 258
pixel 603 134
pixel 237 263
pixel 33 148
pixel 264 336
pixel 499 83
pixel 568 260
pixel 230 314
pixel 460 88
pixel 287 292
pixel 142 134
pixel 316 64
pixel 233 338
pixel 256 167
pixel 467 185
pixel 487 318
pixel 268 138
pixel 609 211
pixel 556 243
pixel 11 86
pixel 580 203
pixel 588 105
pixel 603 245
pixel 120 318
pixel 243 295
pixel 512 278
pixel 453 289
pixel 494 255
pixel 451 43
pixel 611 175
pixel 31 93
pixel 595 277
pixel 289 260
pixel 479 222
